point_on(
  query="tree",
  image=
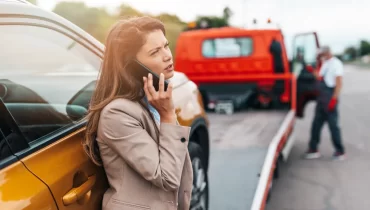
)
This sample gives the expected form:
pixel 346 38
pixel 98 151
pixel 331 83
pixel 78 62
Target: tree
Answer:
pixel 227 13
pixel 350 52
pixel 213 21
pixel 74 12
pixel 364 47
pixel 95 21
pixel 169 18
pixel 126 11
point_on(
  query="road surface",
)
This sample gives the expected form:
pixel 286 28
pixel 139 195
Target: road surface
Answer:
pixel 304 184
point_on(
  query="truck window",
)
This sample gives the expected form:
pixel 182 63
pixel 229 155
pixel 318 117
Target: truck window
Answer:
pixel 305 49
pixel 227 47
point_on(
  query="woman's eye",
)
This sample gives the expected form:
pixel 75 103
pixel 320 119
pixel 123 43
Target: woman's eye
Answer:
pixel 155 52
pixel 168 44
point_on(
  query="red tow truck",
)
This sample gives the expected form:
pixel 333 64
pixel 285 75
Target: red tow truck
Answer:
pixel 236 68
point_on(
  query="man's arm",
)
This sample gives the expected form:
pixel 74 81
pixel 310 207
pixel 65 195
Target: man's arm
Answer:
pixel 338 86
pixel 316 73
pixel 338 79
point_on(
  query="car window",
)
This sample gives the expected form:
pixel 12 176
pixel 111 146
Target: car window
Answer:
pixel 227 47
pixel 208 48
pixel 305 48
pixel 9 142
pixel 5 151
pixel 43 75
pixel 11 138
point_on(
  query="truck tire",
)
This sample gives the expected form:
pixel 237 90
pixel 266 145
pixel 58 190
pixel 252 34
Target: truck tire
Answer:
pixel 205 100
pixel 199 195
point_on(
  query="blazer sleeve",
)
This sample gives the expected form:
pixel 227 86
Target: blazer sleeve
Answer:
pixel 160 164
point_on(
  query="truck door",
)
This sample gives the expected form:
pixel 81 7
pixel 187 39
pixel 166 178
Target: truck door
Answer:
pixel 305 48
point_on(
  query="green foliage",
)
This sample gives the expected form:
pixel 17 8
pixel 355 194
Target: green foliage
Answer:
pixel 227 13
pixel 364 47
pixel 169 18
pixel 173 31
pixel 97 21
pixel 350 53
pixel 126 11
pixel 213 21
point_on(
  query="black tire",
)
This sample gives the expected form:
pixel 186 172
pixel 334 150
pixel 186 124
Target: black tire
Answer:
pixel 257 105
pixel 205 100
pixel 198 164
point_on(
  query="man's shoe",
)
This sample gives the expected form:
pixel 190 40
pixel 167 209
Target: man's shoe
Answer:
pixel 312 154
pixel 339 156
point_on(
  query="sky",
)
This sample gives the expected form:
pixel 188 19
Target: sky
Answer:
pixel 339 23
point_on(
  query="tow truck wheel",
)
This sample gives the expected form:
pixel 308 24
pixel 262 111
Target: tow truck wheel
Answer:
pixel 199 195
pixel 206 101
pixel 262 100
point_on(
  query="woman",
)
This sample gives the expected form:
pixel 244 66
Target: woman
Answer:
pixel 132 129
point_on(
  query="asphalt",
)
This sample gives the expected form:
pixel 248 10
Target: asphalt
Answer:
pixel 320 184
pixel 239 146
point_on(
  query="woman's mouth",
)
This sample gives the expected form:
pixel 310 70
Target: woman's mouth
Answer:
pixel 169 67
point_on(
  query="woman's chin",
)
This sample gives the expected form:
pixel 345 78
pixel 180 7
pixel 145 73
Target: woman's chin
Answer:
pixel 169 74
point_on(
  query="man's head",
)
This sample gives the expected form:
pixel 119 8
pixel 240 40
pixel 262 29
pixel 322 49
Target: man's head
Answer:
pixel 325 53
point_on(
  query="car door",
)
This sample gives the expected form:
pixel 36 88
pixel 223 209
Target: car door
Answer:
pixel 46 66
pixel 304 58
pixel 19 188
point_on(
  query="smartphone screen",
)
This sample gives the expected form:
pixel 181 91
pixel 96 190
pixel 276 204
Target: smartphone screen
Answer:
pixel 140 71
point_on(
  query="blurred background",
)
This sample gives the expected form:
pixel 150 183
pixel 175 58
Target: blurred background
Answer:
pixel 341 24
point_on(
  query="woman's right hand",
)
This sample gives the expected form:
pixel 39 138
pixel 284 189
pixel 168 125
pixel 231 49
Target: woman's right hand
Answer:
pixel 161 100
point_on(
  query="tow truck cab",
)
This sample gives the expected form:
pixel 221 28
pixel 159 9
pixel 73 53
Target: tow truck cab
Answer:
pixel 234 64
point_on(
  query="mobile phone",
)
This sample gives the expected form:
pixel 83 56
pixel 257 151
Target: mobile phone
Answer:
pixel 140 71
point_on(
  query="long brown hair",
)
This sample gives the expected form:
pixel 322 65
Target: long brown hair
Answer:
pixel 115 81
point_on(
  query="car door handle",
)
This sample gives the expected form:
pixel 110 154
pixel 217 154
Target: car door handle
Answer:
pixel 78 192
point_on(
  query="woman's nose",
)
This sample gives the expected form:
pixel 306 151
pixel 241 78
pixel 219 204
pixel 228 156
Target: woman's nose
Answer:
pixel 167 55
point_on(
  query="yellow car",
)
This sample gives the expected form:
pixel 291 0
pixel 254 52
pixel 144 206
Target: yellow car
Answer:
pixel 48 70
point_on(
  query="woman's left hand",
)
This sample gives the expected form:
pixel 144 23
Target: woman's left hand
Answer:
pixel 161 100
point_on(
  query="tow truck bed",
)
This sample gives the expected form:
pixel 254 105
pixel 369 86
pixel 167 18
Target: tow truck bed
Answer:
pixel 241 144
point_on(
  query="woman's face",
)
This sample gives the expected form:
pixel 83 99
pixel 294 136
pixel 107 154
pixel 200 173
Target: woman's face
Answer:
pixel 156 54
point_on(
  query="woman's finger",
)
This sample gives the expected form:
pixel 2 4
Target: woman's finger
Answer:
pixel 169 90
pixel 161 85
pixel 146 90
pixel 151 87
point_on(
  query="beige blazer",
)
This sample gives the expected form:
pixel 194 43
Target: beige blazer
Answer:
pixel 146 169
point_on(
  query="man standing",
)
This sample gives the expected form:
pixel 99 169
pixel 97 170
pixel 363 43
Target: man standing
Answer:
pixel 329 87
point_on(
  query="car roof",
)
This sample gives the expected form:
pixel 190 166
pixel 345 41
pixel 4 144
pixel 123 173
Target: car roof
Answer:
pixel 25 9
pixel 17 7
pixel 15 1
